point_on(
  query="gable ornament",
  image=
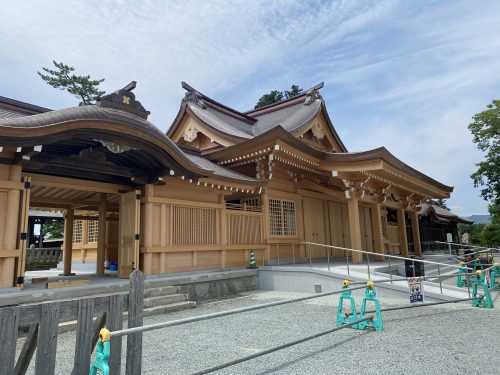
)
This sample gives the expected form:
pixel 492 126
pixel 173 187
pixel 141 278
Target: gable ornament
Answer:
pixel 318 131
pixel 190 134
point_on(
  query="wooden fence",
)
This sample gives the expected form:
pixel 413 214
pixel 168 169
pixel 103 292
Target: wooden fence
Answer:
pixel 92 314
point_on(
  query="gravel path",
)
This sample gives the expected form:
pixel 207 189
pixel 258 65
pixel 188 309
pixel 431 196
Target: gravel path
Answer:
pixel 447 339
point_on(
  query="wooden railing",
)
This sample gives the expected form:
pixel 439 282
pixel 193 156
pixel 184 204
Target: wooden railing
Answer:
pixel 42 258
pixel 245 228
pixel 243 207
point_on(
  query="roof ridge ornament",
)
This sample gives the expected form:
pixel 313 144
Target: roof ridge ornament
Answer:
pixel 313 93
pixel 193 96
pixel 124 99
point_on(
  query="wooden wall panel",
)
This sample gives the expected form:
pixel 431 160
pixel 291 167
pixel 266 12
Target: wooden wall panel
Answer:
pixel 236 258
pixel 207 259
pixel 176 262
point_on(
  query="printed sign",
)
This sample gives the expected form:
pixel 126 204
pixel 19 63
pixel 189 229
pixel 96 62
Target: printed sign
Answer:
pixel 416 285
pixel 449 237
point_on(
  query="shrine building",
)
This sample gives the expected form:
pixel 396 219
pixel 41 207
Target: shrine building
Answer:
pixel 217 186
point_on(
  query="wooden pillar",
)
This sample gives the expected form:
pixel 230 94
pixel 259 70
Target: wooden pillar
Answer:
pixel 68 241
pixel 355 228
pixel 7 265
pixel 101 236
pixel 265 222
pixel 378 237
pixel 417 246
pixel 403 240
pixel 147 230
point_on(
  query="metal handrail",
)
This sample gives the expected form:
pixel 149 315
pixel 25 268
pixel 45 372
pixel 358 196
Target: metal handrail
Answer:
pixel 151 327
pixel 461 244
pixel 368 253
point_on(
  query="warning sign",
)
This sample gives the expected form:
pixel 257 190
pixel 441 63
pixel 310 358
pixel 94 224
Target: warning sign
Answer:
pixel 416 285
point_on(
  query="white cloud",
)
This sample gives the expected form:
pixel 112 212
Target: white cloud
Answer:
pixel 405 75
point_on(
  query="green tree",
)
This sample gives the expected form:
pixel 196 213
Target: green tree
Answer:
pixel 441 203
pixel 474 231
pixel 276 96
pixel 490 235
pixel 63 78
pixel 53 228
pixel 486 132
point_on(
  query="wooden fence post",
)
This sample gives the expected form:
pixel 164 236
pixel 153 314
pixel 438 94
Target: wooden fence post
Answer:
pixel 84 333
pixel 24 359
pixel 135 319
pixel 115 323
pixel 45 363
pixel 9 323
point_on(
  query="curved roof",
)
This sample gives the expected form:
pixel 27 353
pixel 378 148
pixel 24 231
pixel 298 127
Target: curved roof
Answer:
pixel 99 123
pixel 292 115
pixel 439 213
pixel 380 153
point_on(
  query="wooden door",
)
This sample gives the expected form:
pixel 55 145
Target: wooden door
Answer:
pixel 339 226
pixel 314 226
pixel 366 228
pixel 128 243
pixel 24 206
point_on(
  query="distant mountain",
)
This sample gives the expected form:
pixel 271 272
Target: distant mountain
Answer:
pixel 479 219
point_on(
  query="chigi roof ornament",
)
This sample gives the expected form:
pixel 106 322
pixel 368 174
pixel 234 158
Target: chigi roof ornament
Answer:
pixel 124 99
pixel 193 96
pixel 312 94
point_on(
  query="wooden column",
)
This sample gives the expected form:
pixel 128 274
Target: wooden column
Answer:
pixel 378 237
pixel 355 228
pixel 68 241
pixel 417 246
pixel 7 265
pixel 265 216
pixel 147 230
pixel 101 236
pixel 403 240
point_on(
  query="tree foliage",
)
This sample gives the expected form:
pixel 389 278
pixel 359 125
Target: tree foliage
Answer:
pixel 63 78
pixel 440 203
pixel 490 236
pixel 276 96
pixel 486 132
pixel 53 228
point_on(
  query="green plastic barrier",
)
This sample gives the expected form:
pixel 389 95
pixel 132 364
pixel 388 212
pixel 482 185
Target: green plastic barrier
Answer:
pixel 344 318
pixel 101 362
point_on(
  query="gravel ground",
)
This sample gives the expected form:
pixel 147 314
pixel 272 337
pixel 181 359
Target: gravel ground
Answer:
pixel 447 339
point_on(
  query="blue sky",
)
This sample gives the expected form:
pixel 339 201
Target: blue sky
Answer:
pixel 408 75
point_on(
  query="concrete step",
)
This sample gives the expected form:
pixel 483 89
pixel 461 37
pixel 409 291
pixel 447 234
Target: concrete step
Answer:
pixel 164 300
pixel 169 308
pixel 160 291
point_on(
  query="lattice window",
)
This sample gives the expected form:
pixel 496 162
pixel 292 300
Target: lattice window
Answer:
pixel 289 218
pixel 252 202
pixel 93 230
pixel 194 226
pixel 282 217
pixel 383 219
pixel 77 231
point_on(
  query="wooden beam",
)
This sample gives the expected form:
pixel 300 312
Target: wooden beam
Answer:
pixel 71 183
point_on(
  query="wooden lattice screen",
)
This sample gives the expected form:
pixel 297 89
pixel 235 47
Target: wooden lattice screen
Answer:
pixel 193 226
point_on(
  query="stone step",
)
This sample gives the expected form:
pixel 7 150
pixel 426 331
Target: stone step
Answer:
pixel 160 291
pixel 169 308
pixel 164 300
